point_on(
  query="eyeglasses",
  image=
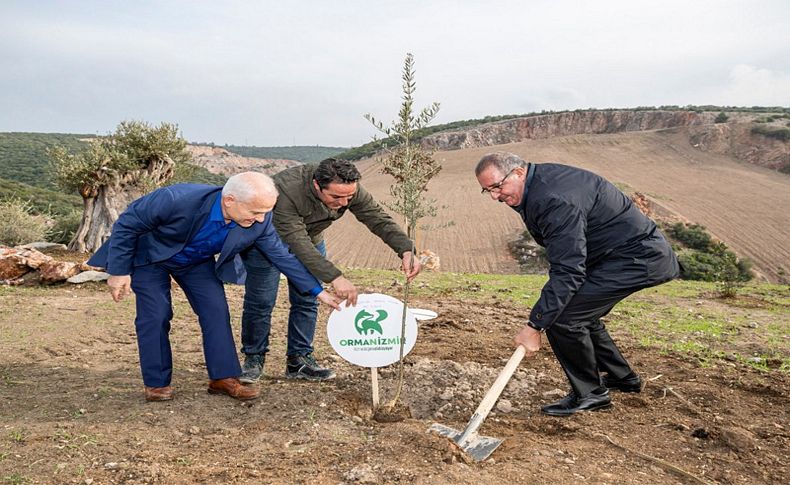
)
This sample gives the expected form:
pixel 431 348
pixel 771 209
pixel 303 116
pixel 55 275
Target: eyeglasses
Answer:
pixel 497 186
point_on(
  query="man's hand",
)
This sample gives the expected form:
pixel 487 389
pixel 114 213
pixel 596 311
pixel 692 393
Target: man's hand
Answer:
pixel 120 286
pixel 327 298
pixel 345 290
pixel 411 265
pixel 529 338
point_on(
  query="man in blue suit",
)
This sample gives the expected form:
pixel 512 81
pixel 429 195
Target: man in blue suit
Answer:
pixel 175 232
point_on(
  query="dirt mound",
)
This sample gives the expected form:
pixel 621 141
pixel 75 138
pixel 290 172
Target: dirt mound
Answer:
pixel 437 389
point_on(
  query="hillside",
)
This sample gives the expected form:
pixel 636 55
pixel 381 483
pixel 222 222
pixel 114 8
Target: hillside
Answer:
pixel 304 154
pixel 25 165
pixel 744 205
pixel 222 162
pixel 771 122
pixel 23 156
pixel 758 138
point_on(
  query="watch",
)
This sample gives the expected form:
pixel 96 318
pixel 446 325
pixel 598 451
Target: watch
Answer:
pixel 535 327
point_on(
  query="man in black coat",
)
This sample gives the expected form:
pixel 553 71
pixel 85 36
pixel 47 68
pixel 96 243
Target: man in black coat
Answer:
pixel 601 248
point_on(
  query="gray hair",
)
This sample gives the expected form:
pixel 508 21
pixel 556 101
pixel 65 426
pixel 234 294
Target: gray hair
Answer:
pixel 504 161
pixel 246 185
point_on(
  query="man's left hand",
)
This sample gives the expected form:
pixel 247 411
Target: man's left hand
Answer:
pixel 411 265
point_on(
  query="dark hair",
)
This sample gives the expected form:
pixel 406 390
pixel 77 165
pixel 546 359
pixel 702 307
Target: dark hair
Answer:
pixel 336 170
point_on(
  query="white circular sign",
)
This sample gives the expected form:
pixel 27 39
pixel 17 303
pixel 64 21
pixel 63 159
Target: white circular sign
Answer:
pixel 369 334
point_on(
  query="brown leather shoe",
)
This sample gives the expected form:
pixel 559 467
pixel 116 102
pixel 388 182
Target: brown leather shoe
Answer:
pixel 230 386
pixel 158 393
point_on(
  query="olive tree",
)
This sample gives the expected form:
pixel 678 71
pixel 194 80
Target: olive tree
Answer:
pixel 412 167
pixel 114 171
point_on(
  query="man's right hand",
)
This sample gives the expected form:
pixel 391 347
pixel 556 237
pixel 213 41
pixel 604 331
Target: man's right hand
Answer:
pixel 120 286
pixel 327 298
pixel 345 290
pixel 529 338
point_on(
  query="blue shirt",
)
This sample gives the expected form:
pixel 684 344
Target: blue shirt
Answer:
pixel 209 239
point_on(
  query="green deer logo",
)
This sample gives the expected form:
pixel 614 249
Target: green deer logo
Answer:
pixel 366 323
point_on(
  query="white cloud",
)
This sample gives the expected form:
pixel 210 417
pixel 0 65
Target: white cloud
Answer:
pixel 753 86
pixel 271 72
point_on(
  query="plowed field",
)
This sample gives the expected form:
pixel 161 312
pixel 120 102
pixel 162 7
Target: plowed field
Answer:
pixel 746 206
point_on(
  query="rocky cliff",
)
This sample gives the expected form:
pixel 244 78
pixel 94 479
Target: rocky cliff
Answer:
pixel 739 141
pixel 734 138
pixel 220 161
pixel 564 124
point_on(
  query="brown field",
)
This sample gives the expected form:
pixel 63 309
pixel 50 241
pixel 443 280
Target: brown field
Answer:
pixel 746 206
pixel 72 410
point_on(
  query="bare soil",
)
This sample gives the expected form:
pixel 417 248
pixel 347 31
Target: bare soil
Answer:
pixel 746 206
pixel 72 410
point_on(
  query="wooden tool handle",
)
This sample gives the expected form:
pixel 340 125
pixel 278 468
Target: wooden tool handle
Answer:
pixel 493 394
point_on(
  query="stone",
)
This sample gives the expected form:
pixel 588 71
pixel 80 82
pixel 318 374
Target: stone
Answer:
pixel 362 474
pixel 12 264
pixel 54 271
pixel 43 245
pixel 89 275
pixel 429 260
pixel 554 393
pixel 504 406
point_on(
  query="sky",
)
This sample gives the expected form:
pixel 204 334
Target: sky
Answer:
pixel 281 73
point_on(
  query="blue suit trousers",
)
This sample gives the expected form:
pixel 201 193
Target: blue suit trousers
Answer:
pixel 206 295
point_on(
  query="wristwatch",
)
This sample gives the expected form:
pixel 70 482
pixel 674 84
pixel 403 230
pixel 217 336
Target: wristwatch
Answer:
pixel 535 327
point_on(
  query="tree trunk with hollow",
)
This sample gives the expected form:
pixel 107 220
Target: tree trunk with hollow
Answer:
pixel 104 202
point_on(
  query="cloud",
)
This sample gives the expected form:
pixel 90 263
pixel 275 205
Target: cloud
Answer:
pixel 754 86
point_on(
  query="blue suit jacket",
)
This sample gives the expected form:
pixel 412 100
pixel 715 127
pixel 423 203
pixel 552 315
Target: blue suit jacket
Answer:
pixel 157 226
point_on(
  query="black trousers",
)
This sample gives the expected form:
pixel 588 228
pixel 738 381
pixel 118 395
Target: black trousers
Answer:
pixel 578 337
pixel 583 346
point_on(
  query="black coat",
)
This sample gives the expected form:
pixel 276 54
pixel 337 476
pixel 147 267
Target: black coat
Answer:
pixel 589 228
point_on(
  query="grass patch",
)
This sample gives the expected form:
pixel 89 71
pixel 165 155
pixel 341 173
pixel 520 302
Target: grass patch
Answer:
pixel 686 318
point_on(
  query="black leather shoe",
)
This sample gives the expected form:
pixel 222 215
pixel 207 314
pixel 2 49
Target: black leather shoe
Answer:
pixel 629 383
pixel 306 367
pixel 572 404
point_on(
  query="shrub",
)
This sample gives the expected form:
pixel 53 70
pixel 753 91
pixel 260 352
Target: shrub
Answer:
pixel 18 225
pixel 65 227
pixel 722 118
pixel 727 271
pixel 771 132
pixel 702 259
pixel 692 236
pixel 719 265
pixel 697 265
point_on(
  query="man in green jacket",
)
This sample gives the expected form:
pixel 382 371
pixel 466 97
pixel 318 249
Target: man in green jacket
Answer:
pixel 312 197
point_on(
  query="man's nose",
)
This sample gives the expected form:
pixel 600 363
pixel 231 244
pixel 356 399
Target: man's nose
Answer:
pixel 495 194
pixel 343 202
pixel 260 217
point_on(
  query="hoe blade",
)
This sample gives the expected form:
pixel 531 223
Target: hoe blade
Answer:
pixel 478 447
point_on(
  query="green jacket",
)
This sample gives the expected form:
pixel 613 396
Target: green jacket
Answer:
pixel 300 219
